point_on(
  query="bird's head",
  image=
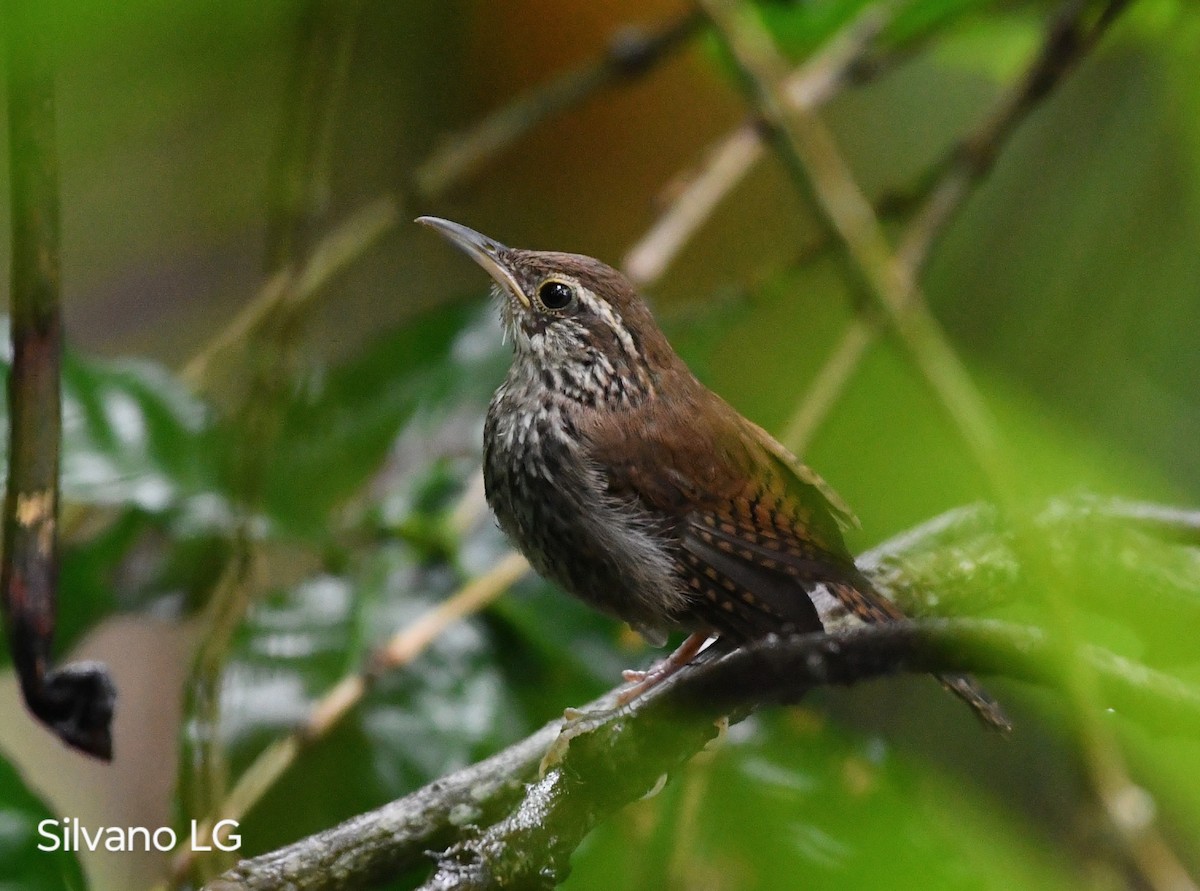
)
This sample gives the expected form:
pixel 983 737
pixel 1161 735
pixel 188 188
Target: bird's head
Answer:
pixel 568 311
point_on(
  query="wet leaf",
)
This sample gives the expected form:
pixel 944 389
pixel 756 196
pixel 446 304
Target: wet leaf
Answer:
pixel 138 467
pixel 22 865
pixel 787 796
pixel 451 706
pixel 336 434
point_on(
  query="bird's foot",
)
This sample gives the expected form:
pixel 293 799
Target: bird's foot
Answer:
pixel 647 680
pixel 576 723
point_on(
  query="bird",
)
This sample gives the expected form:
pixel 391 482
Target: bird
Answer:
pixel 628 483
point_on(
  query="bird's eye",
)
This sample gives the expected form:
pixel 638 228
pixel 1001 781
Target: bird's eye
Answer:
pixel 554 294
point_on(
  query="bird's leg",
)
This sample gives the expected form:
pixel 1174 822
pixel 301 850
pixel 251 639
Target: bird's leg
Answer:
pixel 645 680
pixel 576 723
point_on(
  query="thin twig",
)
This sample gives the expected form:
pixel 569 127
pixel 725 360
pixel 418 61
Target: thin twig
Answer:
pixel 926 562
pixel 312 96
pixel 812 159
pixel 296 185
pixel 810 86
pixel 829 384
pixel 333 253
pixel 1068 40
pixel 75 701
pixel 403 648
pixel 630 53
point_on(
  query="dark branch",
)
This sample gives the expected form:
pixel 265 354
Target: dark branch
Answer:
pixel 609 762
pixel 630 54
pixel 1069 39
pixel 372 847
pixel 616 758
pixel 75 701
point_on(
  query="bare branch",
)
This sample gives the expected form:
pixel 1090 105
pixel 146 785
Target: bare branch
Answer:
pixel 630 53
pixel 75 701
pixel 604 764
pixel 810 86
pixel 1068 40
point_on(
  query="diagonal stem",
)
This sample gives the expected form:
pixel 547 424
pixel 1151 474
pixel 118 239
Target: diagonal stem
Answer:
pixel 1068 40
pixel 811 85
pixel 819 171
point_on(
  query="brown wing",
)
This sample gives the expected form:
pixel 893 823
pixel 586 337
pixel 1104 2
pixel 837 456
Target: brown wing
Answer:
pixel 752 531
pixel 756 535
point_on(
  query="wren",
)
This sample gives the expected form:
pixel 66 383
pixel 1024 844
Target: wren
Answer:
pixel 634 487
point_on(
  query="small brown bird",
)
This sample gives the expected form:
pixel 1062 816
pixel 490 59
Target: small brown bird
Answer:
pixel 630 484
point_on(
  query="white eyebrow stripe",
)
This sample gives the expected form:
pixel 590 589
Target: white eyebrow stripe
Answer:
pixel 605 312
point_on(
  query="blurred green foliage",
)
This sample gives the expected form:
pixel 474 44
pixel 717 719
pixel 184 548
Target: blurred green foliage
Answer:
pixel 32 858
pixel 1067 283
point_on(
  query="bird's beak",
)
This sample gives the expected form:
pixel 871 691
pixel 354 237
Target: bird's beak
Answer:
pixel 488 253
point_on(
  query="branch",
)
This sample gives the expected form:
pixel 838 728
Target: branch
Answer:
pixel 325 715
pixel 630 53
pixel 611 758
pixel 811 157
pixel 337 250
pixel 74 701
pixel 1069 38
pixel 811 85
pixel 607 763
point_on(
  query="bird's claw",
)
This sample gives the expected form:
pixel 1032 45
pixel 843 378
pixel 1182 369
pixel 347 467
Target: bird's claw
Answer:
pixel 575 723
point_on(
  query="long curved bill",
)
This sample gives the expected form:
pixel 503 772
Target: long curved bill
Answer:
pixel 487 252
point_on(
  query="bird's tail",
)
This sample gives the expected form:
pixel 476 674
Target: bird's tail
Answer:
pixel 972 693
pixel 863 603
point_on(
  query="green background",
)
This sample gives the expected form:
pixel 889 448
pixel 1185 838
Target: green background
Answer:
pixel 1067 283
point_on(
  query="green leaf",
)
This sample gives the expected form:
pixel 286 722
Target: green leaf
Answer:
pixel 448 708
pixel 141 448
pixel 22 865
pixel 133 436
pixel 335 436
pixel 786 796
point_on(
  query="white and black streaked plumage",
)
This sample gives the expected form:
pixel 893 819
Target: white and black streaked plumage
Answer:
pixel 626 481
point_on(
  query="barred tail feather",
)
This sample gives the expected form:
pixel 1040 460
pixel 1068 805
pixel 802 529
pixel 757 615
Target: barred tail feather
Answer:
pixel 864 603
pixel 972 693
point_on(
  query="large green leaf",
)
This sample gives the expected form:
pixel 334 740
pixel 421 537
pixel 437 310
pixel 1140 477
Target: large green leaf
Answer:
pixel 32 850
pixel 138 465
pixel 133 436
pixel 787 801
pixel 336 434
